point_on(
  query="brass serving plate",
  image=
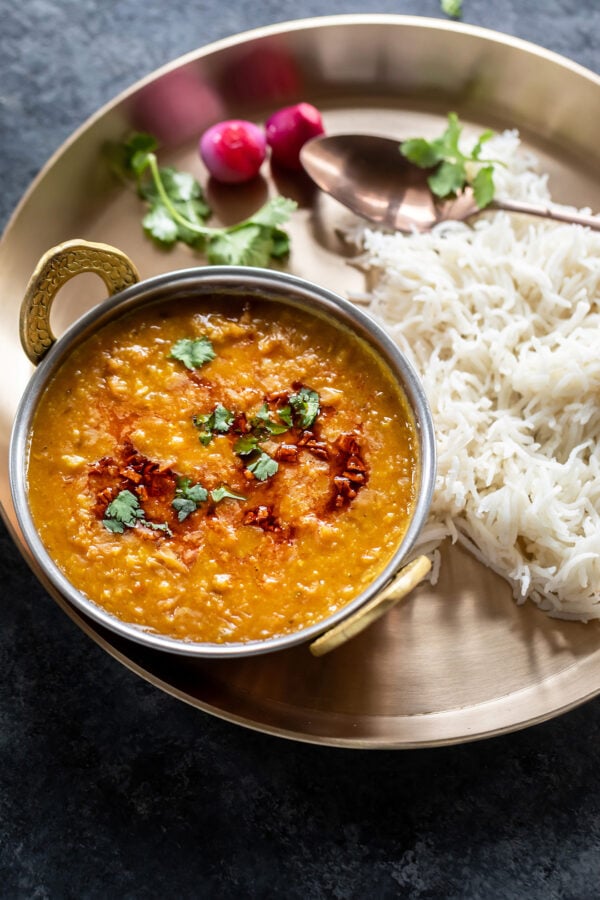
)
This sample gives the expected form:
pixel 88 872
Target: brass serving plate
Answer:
pixel 454 663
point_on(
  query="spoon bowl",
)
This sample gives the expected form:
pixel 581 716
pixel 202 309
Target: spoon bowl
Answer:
pixel 369 175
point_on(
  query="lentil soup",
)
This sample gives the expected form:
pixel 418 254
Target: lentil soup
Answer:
pixel 222 472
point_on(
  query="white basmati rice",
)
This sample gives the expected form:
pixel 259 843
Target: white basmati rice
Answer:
pixel 502 320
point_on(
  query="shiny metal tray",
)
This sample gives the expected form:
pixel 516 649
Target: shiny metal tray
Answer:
pixel 457 662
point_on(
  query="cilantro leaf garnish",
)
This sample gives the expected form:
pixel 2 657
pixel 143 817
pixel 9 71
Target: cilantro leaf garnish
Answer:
pixel 183 507
pixel 223 493
pixel 188 496
pixel 201 421
pixel 305 404
pixel 245 445
pixel 219 421
pixel 285 414
pixel 452 8
pixel 483 186
pixel 449 164
pixel 263 466
pixel 302 410
pixel 223 419
pixel 193 352
pixel 260 464
pixel 157 526
pixel 195 492
pixel 448 178
pixel 125 512
pixel 263 425
pixel 177 210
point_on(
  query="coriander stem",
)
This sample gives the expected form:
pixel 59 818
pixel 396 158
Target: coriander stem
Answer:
pixel 203 230
pixel 197 229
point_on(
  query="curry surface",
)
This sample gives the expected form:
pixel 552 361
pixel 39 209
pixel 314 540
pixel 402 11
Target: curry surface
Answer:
pixel 119 415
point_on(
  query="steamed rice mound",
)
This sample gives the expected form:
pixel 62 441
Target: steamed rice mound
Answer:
pixel 502 320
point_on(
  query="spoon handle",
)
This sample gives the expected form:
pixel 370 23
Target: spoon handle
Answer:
pixel 547 212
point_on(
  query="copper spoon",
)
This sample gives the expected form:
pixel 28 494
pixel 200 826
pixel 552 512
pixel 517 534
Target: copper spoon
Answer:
pixel 370 176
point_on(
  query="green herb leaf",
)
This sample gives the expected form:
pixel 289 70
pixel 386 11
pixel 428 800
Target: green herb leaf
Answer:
pixel 183 507
pixel 192 491
pixel 276 211
pixel 181 187
pixel 281 243
pixel 157 526
pixel 452 8
pixel 449 176
pixel 249 246
pixel 125 511
pixel 483 187
pixel 114 525
pixel 263 467
pixel 186 198
pixel 223 419
pixel 263 425
pixel 121 156
pixel 285 414
pixel 178 211
pixel 160 226
pixel 306 406
pixel 246 444
pixel 421 152
pixel 193 353
pixel 196 493
pixel 262 416
pixel 223 492
pixel 202 423
pixel 219 421
pixel 140 161
pixel 276 428
pixel 448 143
pixel 257 239
pixel 483 138
pixel 188 496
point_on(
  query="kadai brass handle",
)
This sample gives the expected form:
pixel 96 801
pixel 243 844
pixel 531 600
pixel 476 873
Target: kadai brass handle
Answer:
pixel 405 581
pixel 54 269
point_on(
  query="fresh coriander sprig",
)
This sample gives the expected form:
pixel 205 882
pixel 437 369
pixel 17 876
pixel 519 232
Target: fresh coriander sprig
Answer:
pixel 449 164
pixel 193 352
pixel 189 496
pixel 306 406
pixel 257 461
pixel 263 466
pixel 125 512
pixel 263 426
pixel 245 445
pixel 178 211
pixel 219 421
pixel 223 493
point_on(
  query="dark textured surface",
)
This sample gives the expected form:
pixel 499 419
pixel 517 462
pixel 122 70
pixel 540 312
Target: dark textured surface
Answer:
pixel 109 788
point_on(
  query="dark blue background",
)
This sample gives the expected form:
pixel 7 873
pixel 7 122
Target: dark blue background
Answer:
pixel 111 789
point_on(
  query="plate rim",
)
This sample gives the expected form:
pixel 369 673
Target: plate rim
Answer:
pixel 312 24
